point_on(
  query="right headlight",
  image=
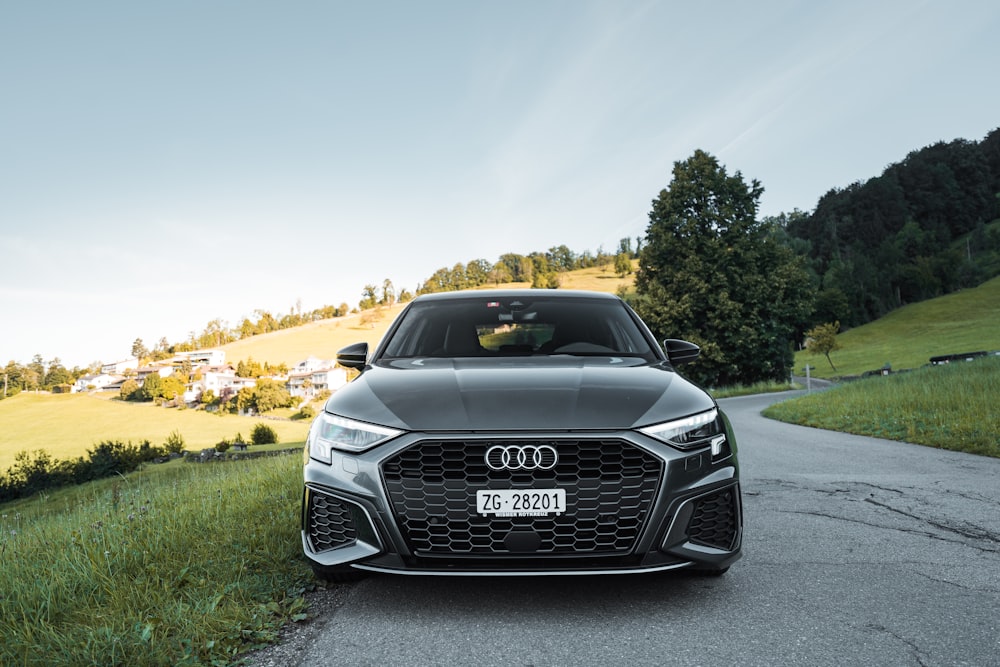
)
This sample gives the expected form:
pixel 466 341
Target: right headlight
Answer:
pixel 330 432
pixel 701 430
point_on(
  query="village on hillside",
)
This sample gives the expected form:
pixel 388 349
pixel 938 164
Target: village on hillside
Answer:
pixel 211 373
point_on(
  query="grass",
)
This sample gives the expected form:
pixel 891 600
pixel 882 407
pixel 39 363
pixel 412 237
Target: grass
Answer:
pixel 67 425
pixel 950 407
pixel 907 338
pixel 180 564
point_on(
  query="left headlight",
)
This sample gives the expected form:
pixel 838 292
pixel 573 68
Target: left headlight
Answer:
pixel 329 432
pixel 700 430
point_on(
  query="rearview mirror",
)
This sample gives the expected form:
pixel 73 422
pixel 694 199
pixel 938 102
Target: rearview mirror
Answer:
pixel 680 351
pixel 353 356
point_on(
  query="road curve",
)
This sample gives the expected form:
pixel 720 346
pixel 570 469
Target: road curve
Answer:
pixel 858 551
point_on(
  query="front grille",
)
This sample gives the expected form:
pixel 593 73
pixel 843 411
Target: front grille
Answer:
pixel 328 523
pixel 610 487
pixel 714 521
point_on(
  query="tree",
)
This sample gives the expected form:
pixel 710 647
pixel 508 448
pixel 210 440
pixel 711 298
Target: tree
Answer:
pixel 623 265
pixel 711 273
pixel 388 293
pixel 57 374
pixel 152 387
pixel 139 350
pixel 130 391
pixel 822 339
pixel 369 299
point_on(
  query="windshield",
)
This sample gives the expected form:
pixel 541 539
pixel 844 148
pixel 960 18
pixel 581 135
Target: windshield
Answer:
pixel 518 326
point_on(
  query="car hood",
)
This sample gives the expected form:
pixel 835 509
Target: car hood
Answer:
pixel 540 394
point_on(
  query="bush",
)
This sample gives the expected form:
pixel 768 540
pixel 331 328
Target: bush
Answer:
pixel 263 435
pixel 174 443
pixel 306 412
pixel 31 474
pixel 223 445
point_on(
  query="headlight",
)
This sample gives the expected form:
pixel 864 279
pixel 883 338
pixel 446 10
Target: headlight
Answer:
pixel 700 430
pixel 329 432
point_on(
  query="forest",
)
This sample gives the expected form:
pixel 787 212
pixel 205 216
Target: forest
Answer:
pixel 925 227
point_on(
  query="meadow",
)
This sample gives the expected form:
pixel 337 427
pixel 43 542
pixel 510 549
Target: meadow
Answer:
pixel 952 406
pixel 67 425
pixel 908 337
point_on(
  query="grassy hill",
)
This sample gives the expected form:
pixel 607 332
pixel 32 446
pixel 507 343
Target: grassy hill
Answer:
pixel 67 425
pixel 323 339
pixel 965 321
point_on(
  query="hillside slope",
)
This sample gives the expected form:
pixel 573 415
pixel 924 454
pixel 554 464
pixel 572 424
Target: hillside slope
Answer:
pixel 908 337
pixel 323 339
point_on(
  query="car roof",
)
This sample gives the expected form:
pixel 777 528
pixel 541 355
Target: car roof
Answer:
pixel 511 293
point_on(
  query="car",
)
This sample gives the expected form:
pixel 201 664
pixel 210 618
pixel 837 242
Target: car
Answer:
pixel 520 432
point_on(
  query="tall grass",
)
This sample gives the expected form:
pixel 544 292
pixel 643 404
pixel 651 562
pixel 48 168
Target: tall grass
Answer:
pixel 185 565
pixel 951 407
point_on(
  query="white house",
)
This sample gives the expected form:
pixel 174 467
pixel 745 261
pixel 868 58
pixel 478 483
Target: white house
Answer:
pixel 119 367
pixel 94 382
pixel 216 381
pixel 213 357
pixel 163 370
pixel 306 384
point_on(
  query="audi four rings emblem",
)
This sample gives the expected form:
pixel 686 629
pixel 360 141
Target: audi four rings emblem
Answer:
pixel 521 457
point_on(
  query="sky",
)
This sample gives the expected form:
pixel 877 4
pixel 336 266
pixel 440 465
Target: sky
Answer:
pixel 166 164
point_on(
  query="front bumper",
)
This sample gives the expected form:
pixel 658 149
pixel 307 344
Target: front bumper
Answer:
pixel 633 505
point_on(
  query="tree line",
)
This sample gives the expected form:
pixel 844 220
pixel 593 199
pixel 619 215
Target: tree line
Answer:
pixel 923 228
pixel 540 269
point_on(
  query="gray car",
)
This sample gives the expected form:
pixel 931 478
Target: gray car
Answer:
pixel 513 432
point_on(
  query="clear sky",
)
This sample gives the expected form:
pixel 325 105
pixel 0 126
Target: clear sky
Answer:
pixel 164 164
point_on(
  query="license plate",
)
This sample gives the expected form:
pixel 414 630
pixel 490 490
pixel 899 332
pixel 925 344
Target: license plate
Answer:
pixel 521 502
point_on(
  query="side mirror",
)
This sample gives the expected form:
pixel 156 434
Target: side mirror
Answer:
pixel 353 356
pixel 680 351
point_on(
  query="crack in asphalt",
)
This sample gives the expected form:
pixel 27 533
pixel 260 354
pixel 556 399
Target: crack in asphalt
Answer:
pixel 918 655
pixel 974 532
pixel 975 536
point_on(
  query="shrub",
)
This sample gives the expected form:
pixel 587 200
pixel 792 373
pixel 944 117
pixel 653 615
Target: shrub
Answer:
pixel 174 443
pixel 306 412
pixel 223 445
pixel 263 435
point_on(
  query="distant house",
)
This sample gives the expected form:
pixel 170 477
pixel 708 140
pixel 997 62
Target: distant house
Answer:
pixel 95 382
pixel 312 376
pixel 216 381
pixel 163 370
pixel 120 367
pixel 212 357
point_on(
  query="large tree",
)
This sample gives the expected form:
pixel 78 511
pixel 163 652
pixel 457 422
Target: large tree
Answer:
pixel 711 273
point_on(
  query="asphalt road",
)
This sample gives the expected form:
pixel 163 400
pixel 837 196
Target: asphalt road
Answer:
pixel 857 551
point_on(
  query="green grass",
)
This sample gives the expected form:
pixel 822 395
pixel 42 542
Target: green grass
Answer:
pixel 951 407
pixel 181 564
pixel 766 387
pixel 67 425
pixel 906 338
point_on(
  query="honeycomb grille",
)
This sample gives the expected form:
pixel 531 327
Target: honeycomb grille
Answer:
pixel 714 521
pixel 610 486
pixel 329 524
